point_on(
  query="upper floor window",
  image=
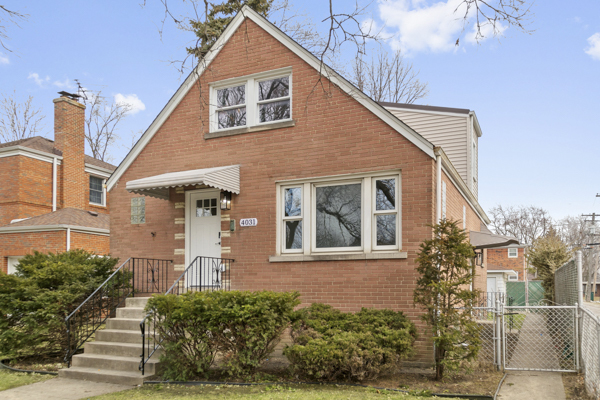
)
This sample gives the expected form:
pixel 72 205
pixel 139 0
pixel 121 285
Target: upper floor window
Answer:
pixel 328 215
pixel 96 190
pixel 252 100
pixel 513 253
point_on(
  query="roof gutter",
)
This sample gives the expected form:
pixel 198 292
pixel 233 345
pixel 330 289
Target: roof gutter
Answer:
pixel 48 228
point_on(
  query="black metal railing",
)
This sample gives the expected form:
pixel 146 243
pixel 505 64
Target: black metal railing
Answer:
pixel 135 275
pixel 203 274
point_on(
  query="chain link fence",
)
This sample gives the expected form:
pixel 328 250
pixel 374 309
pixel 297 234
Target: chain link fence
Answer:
pixel 485 314
pixel 590 352
pixel 565 284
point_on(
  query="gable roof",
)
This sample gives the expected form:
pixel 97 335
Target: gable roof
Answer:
pixel 65 218
pixel 246 12
pixel 47 146
pixel 425 108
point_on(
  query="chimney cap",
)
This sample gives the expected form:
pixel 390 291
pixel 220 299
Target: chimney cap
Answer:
pixel 69 95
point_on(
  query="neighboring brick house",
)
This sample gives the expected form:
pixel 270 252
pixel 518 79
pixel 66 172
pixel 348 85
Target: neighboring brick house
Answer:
pixel 53 196
pixel 336 191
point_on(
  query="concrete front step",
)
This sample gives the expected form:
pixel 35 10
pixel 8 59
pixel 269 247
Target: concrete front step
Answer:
pixel 119 336
pixel 117 349
pixel 114 363
pixel 137 302
pixel 105 375
pixel 125 324
pixel 131 312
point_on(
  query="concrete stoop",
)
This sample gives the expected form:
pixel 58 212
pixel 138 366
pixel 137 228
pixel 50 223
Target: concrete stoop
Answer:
pixel 114 356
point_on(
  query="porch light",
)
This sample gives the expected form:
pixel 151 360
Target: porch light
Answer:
pixel 479 258
pixel 225 200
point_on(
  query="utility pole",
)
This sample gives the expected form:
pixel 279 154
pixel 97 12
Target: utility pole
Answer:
pixel 594 261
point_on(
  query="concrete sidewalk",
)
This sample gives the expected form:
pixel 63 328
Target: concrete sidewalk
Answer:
pixel 532 385
pixel 61 389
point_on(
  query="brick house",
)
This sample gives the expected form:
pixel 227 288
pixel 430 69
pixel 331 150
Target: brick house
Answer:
pixel 505 264
pixel 329 194
pixel 53 196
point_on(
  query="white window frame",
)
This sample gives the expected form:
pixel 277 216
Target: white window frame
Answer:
pixel 368 213
pixel 252 103
pixel 10 264
pixel 513 248
pixel 103 203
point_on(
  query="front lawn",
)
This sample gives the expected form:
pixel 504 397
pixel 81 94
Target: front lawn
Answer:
pixel 258 392
pixel 9 380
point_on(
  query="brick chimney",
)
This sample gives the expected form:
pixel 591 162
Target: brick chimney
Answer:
pixel 69 138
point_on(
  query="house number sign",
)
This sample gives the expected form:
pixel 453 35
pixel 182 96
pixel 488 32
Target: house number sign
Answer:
pixel 248 222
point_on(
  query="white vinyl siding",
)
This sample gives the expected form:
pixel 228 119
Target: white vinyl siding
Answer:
pixel 447 131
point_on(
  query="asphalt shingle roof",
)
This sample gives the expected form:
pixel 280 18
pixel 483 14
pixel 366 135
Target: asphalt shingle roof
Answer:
pixel 66 216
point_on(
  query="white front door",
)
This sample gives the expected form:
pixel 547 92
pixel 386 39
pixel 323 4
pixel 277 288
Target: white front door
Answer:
pixel 203 224
pixel 491 289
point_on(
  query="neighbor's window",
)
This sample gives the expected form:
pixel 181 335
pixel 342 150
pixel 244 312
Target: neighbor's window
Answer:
pixel 252 100
pixel 340 214
pixel 138 210
pixel 513 253
pixel 96 190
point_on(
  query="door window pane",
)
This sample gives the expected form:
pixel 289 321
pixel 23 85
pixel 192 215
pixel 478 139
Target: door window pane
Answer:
pixel 338 216
pixel 386 230
pixel 206 208
pixel 293 202
pixel 293 235
pixel 385 195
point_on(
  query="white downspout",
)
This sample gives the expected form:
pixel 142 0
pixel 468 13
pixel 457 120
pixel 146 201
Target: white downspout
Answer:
pixel 54 162
pixel 438 189
pixel 68 239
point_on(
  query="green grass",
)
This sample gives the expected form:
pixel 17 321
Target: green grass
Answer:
pixel 258 392
pixel 9 379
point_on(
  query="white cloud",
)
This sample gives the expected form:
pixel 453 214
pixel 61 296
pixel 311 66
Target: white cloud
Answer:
pixel 487 31
pixel 594 49
pixel 38 80
pixel 424 25
pixel 132 100
pixel 4 59
pixel 66 84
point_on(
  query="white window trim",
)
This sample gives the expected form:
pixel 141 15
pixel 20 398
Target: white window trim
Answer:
pixel 513 248
pixel 251 96
pixel 368 236
pixel 103 204
pixel 301 217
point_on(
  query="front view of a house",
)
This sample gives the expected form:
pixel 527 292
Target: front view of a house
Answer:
pixel 308 187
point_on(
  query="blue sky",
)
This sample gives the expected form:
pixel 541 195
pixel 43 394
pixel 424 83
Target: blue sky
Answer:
pixel 537 96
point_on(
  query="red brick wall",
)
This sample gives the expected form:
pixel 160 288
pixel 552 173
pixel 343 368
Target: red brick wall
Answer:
pixel 98 244
pixel 333 135
pixel 69 136
pixel 20 244
pixel 498 259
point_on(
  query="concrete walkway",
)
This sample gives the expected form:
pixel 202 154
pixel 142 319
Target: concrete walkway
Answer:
pixel 61 389
pixel 531 385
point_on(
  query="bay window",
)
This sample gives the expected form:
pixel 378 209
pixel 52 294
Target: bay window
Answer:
pixel 350 214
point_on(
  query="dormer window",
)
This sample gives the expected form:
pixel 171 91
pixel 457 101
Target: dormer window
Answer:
pixel 257 99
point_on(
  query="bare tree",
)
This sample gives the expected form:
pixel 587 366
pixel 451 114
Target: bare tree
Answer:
pixel 493 14
pixel 8 17
pixel 525 223
pixel 388 78
pixel 19 120
pixel 101 122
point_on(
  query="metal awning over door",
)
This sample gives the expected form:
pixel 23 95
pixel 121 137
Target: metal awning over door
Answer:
pixel 224 178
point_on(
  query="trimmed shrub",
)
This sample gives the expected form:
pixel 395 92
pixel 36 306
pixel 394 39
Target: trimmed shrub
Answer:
pixel 35 301
pixel 331 345
pixel 244 327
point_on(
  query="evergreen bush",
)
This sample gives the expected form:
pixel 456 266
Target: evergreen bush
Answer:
pixel 331 345
pixel 45 289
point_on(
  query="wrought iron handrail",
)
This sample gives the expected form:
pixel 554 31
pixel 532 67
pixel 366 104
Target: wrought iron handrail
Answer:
pixel 134 274
pixel 203 274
